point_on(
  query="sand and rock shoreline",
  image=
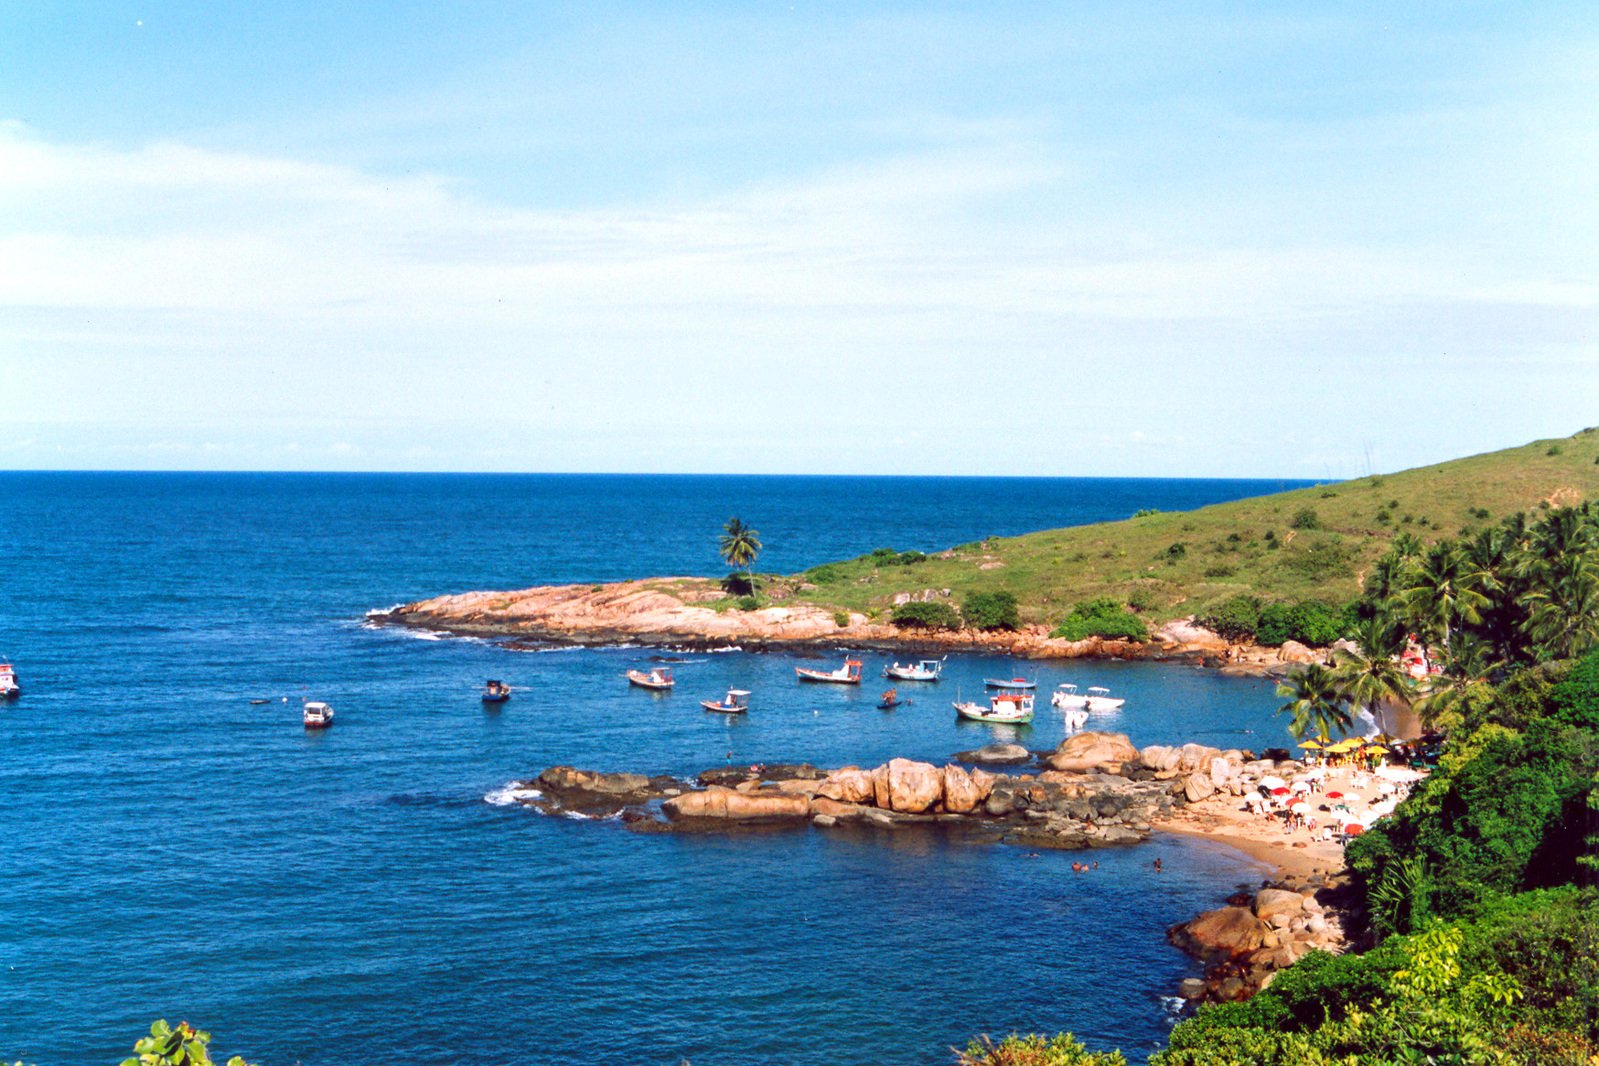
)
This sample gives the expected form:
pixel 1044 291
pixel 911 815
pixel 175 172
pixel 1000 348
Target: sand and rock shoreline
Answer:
pixel 671 612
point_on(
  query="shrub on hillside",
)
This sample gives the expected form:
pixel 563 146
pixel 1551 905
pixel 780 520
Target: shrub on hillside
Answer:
pixel 1306 518
pixel 1311 622
pixel 1576 699
pixel 1101 617
pixel 926 616
pixel 1236 618
pixel 991 610
pixel 826 574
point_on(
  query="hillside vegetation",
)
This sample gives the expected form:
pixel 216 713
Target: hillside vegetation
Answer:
pixel 1313 543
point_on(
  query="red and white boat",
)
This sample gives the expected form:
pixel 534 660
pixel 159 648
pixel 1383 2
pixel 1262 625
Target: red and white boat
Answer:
pixel 659 679
pixel 10 688
pixel 317 715
pixel 848 674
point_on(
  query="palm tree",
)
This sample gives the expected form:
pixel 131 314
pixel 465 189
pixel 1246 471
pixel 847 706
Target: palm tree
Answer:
pixel 739 546
pixel 1563 605
pixel 1467 668
pixel 1370 675
pixel 1315 703
pixel 1446 591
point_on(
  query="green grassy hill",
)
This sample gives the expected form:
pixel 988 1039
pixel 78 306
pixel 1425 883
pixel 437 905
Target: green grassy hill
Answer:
pixel 1314 543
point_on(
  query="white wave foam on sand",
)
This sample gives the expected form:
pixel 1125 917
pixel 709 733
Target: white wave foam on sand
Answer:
pixel 511 793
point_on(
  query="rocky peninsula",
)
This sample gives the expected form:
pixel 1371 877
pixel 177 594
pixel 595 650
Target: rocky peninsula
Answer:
pixel 1095 790
pixel 674 611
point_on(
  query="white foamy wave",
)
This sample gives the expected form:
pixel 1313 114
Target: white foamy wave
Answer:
pixel 376 611
pixel 512 793
pixel 579 816
pixel 719 651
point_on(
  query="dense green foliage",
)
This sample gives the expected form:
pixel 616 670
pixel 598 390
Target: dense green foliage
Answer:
pixel 930 615
pixel 1314 622
pixel 1101 617
pixel 991 610
pixel 890 557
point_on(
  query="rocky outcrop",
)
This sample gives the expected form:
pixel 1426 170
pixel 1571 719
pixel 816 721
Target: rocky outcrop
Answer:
pixel 1093 751
pixel 906 786
pixel 996 755
pixel 728 803
pixel 1245 943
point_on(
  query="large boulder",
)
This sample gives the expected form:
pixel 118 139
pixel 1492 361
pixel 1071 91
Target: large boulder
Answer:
pixel 718 802
pixel 907 786
pixel 1159 757
pixel 1220 770
pixel 1271 902
pixel 1225 933
pixel 1198 787
pixel 1093 751
pixel 1195 757
pixel 1294 652
pixel 964 792
pixel 849 785
pixel 996 755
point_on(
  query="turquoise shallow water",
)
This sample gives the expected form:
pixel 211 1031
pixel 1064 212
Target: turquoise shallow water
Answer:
pixel 358 897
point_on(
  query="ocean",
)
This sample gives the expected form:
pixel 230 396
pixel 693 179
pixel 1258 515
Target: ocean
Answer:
pixel 372 894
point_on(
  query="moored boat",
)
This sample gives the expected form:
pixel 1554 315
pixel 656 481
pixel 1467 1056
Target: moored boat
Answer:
pixel 316 715
pixel 1068 696
pixel 10 687
pixel 1014 684
pixel 925 670
pixel 737 701
pixel 496 691
pixel 1003 707
pixel 1100 699
pixel 1075 718
pixel 659 678
pixel 848 674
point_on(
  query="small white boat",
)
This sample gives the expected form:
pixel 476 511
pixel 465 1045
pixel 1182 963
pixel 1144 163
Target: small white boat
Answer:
pixel 316 715
pixel 848 674
pixel 1068 696
pixel 659 679
pixel 1003 707
pixel 10 687
pixel 1100 699
pixel 1076 718
pixel 926 670
pixel 737 701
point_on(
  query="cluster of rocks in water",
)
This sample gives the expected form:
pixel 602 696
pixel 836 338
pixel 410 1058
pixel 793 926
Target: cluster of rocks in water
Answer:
pixel 1245 943
pixel 1094 790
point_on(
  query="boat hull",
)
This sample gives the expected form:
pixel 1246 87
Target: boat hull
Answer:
pixel 653 686
pixel 978 713
pixel 501 698
pixel 720 708
pixel 1013 685
pixel 819 677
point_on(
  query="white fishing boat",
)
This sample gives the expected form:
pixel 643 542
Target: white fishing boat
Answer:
pixel 1100 699
pixel 1067 696
pixel 660 678
pixel 316 715
pixel 848 674
pixel 737 701
pixel 10 687
pixel 1006 708
pixel 926 670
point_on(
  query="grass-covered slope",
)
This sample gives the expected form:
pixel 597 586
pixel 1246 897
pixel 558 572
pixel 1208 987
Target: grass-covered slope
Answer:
pixel 1312 543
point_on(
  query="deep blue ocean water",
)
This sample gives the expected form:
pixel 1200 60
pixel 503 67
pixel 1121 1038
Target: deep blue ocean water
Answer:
pixel 359 896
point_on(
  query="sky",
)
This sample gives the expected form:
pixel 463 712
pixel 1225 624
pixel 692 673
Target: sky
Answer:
pixel 1074 239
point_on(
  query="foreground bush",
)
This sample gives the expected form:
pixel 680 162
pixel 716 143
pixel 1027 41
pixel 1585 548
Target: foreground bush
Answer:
pixel 180 1045
pixel 1035 1050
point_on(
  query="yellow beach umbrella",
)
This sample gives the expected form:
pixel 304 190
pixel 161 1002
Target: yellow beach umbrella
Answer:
pixel 1314 744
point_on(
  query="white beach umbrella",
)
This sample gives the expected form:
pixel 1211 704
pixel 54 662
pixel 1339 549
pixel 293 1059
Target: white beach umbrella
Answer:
pixel 1272 782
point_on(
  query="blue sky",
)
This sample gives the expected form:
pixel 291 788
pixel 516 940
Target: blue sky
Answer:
pixel 1086 239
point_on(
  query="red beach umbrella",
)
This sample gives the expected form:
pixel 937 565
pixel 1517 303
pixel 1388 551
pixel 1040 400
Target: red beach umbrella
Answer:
pixel 1335 795
pixel 1279 792
pixel 1354 829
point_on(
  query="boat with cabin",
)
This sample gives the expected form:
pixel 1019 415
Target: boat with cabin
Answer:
pixel 1100 699
pixel 737 701
pixel 316 714
pixel 496 691
pixel 848 674
pixel 1014 684
pixel 1067 696
pixel 1007 708
pixel 10 687
pixel 925 670
pixel 658 678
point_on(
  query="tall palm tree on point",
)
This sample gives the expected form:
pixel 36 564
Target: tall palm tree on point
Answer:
pixel 1370 675
pixel 1446 592
pixel 1315 702
pixel 739 546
